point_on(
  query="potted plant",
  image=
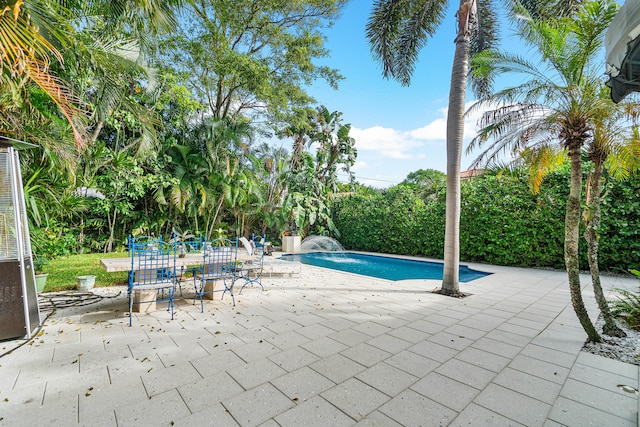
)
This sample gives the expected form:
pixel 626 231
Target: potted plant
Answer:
pixel 39 263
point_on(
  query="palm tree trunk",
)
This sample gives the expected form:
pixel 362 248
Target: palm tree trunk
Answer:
pixel 593 223
pixel 455 134
pixel 571 239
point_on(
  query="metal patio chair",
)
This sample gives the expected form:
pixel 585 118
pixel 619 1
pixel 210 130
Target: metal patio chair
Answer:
pixel 153 272
pixel 252 268
pixel 220 263
pixel 183 247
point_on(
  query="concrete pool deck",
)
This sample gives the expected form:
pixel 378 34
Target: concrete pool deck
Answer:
pixel 326 349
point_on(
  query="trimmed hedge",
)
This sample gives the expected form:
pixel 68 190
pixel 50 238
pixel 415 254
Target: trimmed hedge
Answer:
pixel 501 223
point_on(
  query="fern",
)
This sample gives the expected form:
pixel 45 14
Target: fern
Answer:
pixel 627 306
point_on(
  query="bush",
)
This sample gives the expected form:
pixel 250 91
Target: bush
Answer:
pixel 627 306
pixel 501 223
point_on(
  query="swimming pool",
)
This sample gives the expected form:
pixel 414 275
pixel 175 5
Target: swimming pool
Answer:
pixel 383 267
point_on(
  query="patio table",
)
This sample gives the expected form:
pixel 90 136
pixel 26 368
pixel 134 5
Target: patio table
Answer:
pixel 124 264
pixel 192 259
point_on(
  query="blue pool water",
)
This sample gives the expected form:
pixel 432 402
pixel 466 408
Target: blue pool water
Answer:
pixel 382 267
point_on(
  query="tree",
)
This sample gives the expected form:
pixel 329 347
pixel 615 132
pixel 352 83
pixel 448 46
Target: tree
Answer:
pixel 252 58
pixel 108 61
pixel 311 179
pixel 271 167
pixel 611 144
pixel 335 146
pixel 428 183
pixel 397 30
pixel 29 34
pixel 558 101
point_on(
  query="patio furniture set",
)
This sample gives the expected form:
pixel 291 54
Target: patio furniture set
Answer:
pixel 157 269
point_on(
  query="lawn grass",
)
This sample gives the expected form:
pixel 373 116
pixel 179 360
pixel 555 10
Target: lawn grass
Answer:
pixel 63 271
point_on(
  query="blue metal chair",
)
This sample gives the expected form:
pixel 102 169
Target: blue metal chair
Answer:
pixel 153 268
pixel 220 263
pixel 252 268
pixel 184 247
pixel 144 242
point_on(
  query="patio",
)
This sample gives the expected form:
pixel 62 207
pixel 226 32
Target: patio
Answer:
pixel 326 348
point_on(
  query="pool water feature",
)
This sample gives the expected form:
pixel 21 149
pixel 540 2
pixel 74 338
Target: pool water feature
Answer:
pixel 320 243
pixel 379 266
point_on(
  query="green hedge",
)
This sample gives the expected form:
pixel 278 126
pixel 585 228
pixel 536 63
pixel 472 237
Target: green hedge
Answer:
pixel 502 223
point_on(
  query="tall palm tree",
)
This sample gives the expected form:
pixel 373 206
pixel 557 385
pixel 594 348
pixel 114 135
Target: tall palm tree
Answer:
pixel 397 30
pixel 558 101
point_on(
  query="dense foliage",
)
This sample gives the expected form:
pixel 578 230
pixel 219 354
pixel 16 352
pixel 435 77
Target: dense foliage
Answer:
pixel 502 222
pixel 152 117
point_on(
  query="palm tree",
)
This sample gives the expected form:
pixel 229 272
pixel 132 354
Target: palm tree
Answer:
pixel 271 167
pixel 336 147
pixel 397 30
pixel 36 35
pixel 29 32
pixel 614 146
pixel 557 101
pixel 107 60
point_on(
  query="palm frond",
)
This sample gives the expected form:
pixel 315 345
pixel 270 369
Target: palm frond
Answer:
pixel 62 96
pixel 540 161
pixel 398 29
pixel 483 38
pixel 545 9
pixel 511 128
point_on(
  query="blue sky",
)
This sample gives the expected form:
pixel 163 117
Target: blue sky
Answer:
pixel 397 129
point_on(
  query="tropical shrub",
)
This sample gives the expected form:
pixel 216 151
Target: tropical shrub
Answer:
pixel 627 306
pixel 502 222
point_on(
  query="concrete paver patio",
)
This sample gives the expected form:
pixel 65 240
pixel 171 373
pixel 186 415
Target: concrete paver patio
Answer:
pixel 327 349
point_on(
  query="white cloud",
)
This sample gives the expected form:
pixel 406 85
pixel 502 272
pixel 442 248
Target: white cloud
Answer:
pixel 437 129
pixel 387 142
pixel 387 155
pixel 400 144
